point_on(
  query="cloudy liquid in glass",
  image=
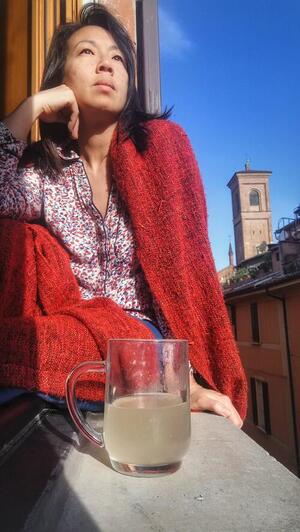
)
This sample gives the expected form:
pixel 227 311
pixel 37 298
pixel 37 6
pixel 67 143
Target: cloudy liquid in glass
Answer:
pixel 147 429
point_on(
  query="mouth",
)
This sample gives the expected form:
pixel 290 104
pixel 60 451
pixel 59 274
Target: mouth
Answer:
pixel 105 84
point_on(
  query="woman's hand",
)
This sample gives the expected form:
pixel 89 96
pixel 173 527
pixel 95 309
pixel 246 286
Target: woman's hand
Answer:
pixel 52 105
pixel 203 399
pixel 58 105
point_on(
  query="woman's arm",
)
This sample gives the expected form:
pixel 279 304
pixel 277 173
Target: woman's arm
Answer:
pixel 21 194
pixel 19 122
pixel 20 188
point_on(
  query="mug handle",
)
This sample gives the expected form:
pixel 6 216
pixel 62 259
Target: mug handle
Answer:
pixel 82 425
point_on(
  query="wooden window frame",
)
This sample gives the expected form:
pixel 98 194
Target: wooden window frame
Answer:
pixel 148 55
pixel 45 16
pixel 260 408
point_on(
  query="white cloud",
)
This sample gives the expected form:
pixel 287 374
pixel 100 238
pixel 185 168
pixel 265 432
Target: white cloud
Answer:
pixel 173 40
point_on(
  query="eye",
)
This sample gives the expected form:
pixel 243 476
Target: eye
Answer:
pixel 87 51
pixel 118 57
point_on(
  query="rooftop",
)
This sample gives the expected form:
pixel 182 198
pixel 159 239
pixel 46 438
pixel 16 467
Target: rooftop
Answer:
pixel 269 280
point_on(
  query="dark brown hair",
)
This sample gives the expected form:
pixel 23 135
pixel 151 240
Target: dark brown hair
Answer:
pixel 132 118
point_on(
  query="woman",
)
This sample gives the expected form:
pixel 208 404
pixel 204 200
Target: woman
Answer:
pixel 119 189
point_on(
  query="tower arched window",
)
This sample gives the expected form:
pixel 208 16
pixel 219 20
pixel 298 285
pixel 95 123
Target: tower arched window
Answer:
pixel 254 198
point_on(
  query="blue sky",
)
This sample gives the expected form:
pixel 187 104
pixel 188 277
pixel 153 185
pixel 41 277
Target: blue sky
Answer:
pixel 231 68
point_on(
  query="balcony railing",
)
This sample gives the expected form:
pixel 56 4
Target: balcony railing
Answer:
pixel 288 230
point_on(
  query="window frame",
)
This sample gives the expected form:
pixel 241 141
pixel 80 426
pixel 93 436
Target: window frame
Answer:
pixel 260 405
pixel 255 330
pixel 232 315
pixel 257 194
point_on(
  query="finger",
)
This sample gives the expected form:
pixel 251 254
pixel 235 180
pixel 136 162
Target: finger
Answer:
pixel 72 120
pixel 73 115
pixel 230 413
pixel 235 416
pixel 75 129
pixel 222 407
pixel 72 128
pixel 212 401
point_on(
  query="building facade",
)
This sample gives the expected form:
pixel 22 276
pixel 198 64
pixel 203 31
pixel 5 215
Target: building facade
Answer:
pixel 265 315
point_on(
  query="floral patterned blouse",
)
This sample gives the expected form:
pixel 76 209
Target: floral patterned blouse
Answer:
pixel 102 250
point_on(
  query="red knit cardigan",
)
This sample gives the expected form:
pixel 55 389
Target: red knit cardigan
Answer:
pixel 46 329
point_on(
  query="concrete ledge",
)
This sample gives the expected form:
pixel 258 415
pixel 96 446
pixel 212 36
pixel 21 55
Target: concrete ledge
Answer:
pixel 227 483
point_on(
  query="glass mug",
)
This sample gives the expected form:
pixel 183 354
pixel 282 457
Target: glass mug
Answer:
pixel 147 421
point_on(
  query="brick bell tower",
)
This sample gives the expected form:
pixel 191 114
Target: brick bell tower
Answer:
pixel 252 217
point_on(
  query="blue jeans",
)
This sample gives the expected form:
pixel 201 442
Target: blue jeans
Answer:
pixel 8 394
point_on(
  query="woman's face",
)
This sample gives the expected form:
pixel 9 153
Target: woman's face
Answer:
pixel 95 71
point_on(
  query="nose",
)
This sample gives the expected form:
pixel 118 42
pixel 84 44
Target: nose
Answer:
pixel 104 65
